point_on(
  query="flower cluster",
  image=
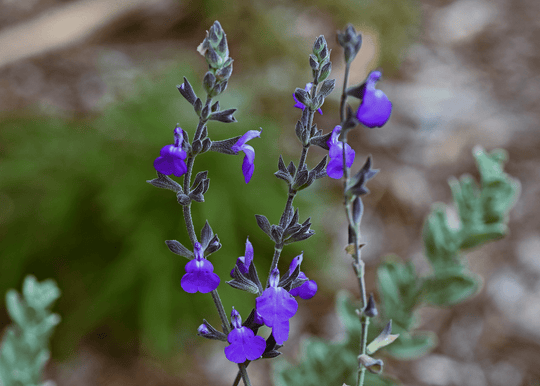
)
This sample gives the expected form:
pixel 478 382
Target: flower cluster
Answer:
pixel 275 303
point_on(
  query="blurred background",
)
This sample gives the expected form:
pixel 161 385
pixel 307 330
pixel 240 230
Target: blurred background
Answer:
pixel 88 97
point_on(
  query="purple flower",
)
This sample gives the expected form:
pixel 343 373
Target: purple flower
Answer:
pixel 243 262
pixel 309 288
pixel 334 169
pixel 248 165
pixel 375 109
pixel 276 306
pixel 244 344
pixel 299 104
pixel 199 274
pixel 171 159
pixel 305 291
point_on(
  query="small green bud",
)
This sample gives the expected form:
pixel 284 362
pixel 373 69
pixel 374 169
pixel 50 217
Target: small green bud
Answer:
pixel 314 64
pixel 209 82
pixel 198 106
pixel 325 72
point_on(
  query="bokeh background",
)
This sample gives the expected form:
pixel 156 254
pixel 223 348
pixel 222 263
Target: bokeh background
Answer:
pixel 88 97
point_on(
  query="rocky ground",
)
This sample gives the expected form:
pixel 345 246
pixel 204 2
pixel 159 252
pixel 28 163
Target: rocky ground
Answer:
pixel 473 78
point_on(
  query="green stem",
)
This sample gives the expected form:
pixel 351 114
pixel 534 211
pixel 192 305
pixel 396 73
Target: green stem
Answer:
pixel 358 264
pixel 344 93
pixel 362 371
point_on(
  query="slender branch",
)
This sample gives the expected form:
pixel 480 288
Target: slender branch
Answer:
pixel 358 264
pixel 344 93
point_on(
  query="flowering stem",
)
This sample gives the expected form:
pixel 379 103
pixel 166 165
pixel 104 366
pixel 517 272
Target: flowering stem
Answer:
pixel 193 238
pixel 358 264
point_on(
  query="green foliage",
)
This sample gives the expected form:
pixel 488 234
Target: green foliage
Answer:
pixel 483 214
pixel 24 350
pixel 399 284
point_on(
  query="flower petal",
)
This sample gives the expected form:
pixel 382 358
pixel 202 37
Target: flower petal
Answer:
pixel 305 291
pixel 280 330
pixel 199 277
pixel 334 169
pixel 244 138
pixel 248 165
pixel 275 305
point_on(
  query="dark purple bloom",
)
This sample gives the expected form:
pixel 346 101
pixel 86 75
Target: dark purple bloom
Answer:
pixel 199 274
pixel 244 344
pixel 299 104
pixel 248 165
pixel 276 306
pixel 375 109
pixel 309 288
pixel 243 262
pixel 171 159
pixel 334 169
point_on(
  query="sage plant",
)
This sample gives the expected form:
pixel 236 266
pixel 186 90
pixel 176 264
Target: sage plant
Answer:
pixel 275 302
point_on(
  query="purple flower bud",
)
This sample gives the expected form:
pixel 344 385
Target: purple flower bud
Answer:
pixel 203 330
pixel 171 159
pixel 244 344
pixel 296 262
pixel 236 319
pixel 334 169
pixel 276 306
pixel 375 109
pixel 199 274
pixel 274 278
pixel 243 262
pixel 299 104
pixel 248 165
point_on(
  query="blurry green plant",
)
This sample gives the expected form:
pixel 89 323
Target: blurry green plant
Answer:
pixel 24 350
pixel 483 216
